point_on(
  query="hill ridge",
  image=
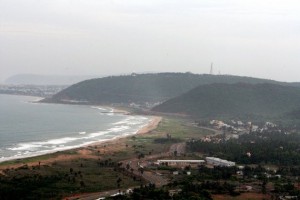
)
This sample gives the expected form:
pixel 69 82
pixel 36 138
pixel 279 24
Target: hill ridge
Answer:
pixel 234 100
pixel 141 88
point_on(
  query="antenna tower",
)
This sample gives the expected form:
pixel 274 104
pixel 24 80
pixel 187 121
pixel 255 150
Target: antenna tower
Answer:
pixel 211 69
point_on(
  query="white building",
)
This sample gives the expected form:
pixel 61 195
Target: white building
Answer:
pixel 219 162
pixel 254 128
pixel 181 162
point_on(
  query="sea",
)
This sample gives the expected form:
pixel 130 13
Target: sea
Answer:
pixel 28 128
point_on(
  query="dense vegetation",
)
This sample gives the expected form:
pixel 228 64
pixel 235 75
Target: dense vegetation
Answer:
pixel 276 148
pixel 144 87
pixel 235 100
pixel 295 114
pixel 185 190
pixel 62 179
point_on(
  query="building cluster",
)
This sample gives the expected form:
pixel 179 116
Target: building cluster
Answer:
pixel 31 90
pixel 234 127
pixel 239 127
pixel 144 105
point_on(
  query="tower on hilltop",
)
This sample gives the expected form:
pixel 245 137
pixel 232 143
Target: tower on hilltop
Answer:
pixel 211 69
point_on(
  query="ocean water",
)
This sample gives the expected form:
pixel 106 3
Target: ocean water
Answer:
pixel 29 129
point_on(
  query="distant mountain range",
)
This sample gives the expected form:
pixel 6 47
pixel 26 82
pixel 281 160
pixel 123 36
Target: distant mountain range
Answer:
pixel 191 94
pixel 33 79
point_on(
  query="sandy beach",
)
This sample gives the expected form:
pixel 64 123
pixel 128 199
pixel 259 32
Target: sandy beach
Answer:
pixel 87 152
pixel 151 125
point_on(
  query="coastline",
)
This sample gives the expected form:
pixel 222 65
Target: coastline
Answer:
pixel 151 125
pixel 108 147
pixel 92 135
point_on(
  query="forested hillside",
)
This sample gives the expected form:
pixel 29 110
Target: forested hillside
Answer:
pixel 235 100
pixel 141 88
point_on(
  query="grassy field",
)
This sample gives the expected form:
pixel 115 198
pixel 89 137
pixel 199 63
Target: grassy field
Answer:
pixel 180 130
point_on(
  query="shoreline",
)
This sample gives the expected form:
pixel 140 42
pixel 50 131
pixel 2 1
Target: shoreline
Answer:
pixel 151 125
pixel 84 152
pixel 37 100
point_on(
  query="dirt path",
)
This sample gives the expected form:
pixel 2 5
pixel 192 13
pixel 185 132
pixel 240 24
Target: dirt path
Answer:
pixel 152 176
pixel 216 132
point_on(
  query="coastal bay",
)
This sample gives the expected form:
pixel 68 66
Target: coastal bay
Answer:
pixel 106 148
pixel 27 130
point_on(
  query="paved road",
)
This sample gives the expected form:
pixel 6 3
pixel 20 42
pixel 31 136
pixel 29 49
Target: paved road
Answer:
pixel 216 132
pixel 135 164
pixel 150 176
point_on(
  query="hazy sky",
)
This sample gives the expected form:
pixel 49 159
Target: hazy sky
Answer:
pixel 259 38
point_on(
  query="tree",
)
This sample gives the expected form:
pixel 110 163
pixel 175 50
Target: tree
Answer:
pixel 119 180
pixel 82 184
pixel 175 153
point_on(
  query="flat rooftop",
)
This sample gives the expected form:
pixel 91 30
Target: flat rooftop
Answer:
pixel 182 161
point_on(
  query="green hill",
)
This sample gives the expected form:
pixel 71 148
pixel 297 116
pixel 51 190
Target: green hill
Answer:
pixel 235 100
pixel 294 114
pixel 142 88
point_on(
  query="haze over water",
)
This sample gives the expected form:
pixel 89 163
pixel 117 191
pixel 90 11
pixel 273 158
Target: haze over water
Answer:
pixel 28 129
